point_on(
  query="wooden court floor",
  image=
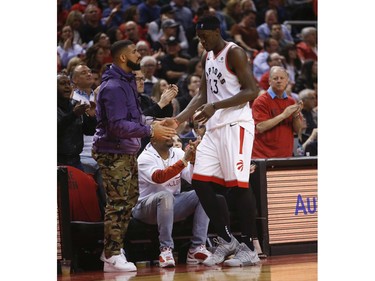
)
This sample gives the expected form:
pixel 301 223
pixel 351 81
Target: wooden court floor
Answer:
pixel 302 267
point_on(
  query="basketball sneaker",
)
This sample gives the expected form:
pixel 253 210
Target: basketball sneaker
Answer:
pixel 223 250
pixel 243 257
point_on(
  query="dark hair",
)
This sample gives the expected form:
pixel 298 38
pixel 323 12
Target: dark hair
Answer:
pixel 118 46
pixel 208 23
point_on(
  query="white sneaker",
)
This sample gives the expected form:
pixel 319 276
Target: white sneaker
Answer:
pixel 223 250
pixel 117 263
pixel 166 258
pixel 197 255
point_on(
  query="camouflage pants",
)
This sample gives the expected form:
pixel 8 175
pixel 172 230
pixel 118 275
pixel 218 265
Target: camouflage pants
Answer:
pixel 120 181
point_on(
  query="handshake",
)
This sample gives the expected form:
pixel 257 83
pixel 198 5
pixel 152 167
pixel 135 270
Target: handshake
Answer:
pixel 164 129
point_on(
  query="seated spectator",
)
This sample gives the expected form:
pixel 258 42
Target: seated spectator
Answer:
pixel 170 28
pixel 112 15
pixel 307 49
pixel 278 35
pixel 66 48
pixel 158 108
pixel 273 59
pixel 174 63
pixel 92 24
pixel 161 168
pixel 102 39
pixel 233 10
pixel 132 14
pixel 94 57
pixel 194 67
pixel 184 16
pixel 131 32
pixel 264 30
pixel 308 96
pixel 149 10
pixel 277 117
pixel 246 35
pixel 292 62
pixel 260 65
pixel 72 124
pixel 194 82
pixel 308 79
pixel 148 67
pixel 75 20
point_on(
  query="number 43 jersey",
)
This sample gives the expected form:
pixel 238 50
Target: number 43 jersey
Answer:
pixel 222 84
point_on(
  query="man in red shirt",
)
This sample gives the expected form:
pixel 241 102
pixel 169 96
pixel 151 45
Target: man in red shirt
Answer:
pixel 276 117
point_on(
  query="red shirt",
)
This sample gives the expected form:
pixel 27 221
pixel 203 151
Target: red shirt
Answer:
pixel 277 142
pixel 84 204
pixel 305 52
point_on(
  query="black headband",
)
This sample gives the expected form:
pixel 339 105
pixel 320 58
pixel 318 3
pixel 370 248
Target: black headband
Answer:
pixel 207 26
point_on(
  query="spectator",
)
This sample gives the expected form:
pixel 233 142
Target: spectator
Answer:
pixel 102 39
pixel 278 35
pixel 161 168
pixel 94 57
pixel 72 123
pixel 171 28
pixel 131 32
pixel 193 84
pixel 308 96
pixel 292 62
pixel 114 34
pixel 92 24
pixel 66 48
pixel 158 108
pixel 277 116
pixel 245 33
pixel 264 30
pixel 112 15
pixel 233 11
pixel 132 14
pixel 116 143
pixel 148 67
pixel 308 79
pixel 194 67
pixel 73 62
pixel 273 59
pixel 307 49
pixel 184 16
pixel 75 20
pixel 149 10
pixel 260 65
pixel 158 29
pixel 174 63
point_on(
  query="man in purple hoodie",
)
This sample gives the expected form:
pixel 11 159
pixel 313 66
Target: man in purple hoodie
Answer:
pixel 121 125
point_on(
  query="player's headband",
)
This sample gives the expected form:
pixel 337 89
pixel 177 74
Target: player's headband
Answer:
pixel 207 26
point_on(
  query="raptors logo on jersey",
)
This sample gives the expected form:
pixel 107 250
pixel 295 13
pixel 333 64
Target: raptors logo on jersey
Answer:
pixel 222 84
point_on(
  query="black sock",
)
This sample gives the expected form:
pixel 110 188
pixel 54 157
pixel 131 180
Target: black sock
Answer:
pixel 248 241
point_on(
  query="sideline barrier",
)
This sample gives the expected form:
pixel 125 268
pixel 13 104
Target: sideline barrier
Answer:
pixel 286 191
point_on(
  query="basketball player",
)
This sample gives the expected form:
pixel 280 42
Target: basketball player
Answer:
pixel 223 157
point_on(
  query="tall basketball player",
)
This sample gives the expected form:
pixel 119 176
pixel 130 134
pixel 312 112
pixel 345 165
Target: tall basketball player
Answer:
pixel 223 157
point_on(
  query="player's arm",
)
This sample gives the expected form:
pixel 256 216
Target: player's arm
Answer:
pixel 199 99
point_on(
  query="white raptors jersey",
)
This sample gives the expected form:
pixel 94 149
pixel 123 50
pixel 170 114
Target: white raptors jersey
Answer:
pixel 222 84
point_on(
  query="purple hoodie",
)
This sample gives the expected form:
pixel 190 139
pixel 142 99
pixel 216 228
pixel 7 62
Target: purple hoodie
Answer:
pixel 119 115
